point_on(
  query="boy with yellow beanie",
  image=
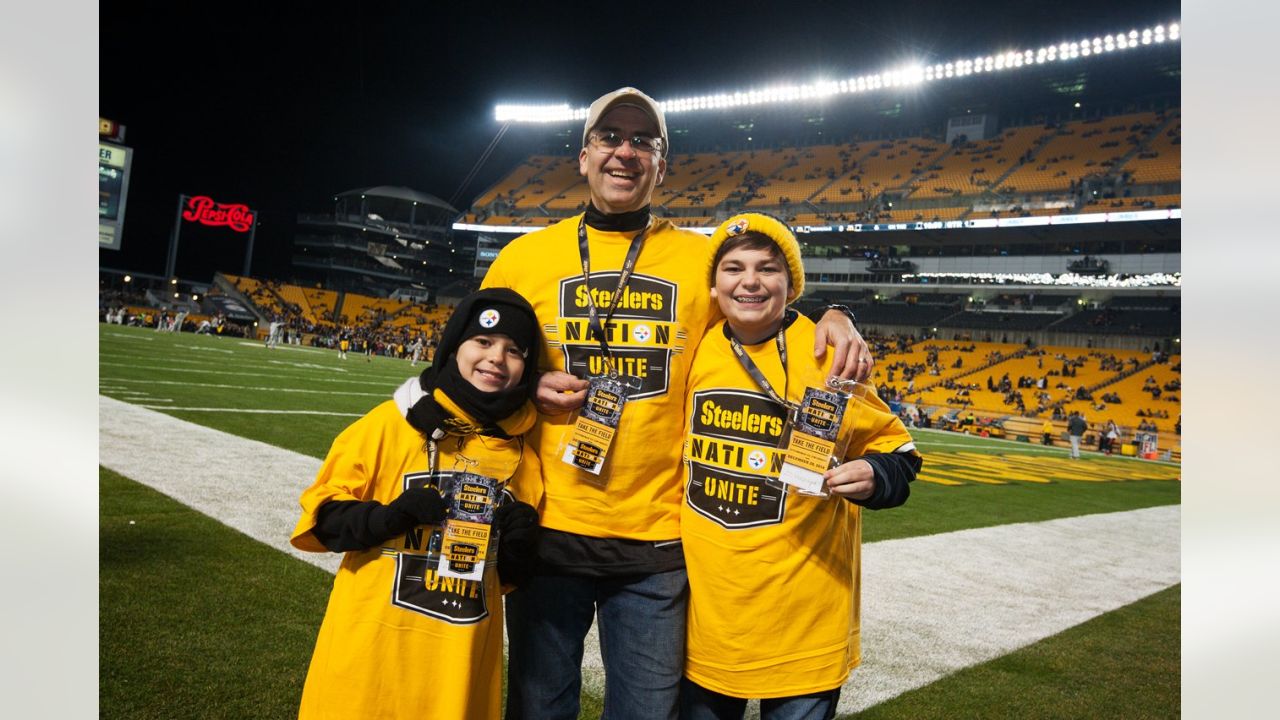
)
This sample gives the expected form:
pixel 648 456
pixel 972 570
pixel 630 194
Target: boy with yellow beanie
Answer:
pixel 773 573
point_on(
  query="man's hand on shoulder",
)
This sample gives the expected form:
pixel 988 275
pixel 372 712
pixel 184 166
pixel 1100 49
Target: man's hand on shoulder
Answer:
pixel 851 358
pixel 559 392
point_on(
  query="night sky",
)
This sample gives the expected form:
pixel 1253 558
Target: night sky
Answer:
pixel 281 107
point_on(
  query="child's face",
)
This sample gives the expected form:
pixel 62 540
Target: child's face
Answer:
pixel 490 362
pixel 751 288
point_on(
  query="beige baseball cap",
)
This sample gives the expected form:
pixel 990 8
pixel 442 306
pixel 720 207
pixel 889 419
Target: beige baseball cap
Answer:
pixel 627 96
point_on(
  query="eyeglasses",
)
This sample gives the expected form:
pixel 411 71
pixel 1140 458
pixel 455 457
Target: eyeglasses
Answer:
pixel 640 143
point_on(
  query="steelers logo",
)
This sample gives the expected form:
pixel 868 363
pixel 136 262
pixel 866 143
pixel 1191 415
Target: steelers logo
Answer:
pixel 756 459
pixel 738 227
pixel 489 318
pixel 641 333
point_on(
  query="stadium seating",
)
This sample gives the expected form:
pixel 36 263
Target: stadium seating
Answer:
pixel 808 171
pixel 710 179
pixel 1077 150
pixel 975 166
pixel 515 187
pixel 1161 161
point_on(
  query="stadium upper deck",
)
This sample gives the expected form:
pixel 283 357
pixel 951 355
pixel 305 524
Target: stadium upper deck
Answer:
pixel 1103 164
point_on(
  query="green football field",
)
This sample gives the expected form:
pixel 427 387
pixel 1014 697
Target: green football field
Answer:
pixel 188 628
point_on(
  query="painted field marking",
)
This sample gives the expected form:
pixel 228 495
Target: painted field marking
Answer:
pixel 207 349
pixel 308 366
pixel 951 468
pixel 254 411
pixel 282 346
pixel 389 383
pixel 1017 446
pixel 258 388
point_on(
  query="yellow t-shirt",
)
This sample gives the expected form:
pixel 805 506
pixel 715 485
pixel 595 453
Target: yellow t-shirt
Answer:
pixel 660 319
pixel 773 576
pixel 397 641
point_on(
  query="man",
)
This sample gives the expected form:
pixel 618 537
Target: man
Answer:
pixel 611 549
pixel 1075 430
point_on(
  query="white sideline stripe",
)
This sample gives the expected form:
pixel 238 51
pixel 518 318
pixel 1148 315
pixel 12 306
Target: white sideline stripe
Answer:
pixel 934 605
pixel 245 484
pixel 931 605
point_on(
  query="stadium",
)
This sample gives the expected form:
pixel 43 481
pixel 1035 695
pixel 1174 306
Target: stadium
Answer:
pixel 1006 227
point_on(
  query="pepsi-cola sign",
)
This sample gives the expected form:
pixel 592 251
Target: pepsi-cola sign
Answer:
pixel 202 209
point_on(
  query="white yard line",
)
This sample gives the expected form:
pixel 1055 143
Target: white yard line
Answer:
pixel 389 383
pixel 283 346
pixel 252 411
pixel 259 388
pixel 931 605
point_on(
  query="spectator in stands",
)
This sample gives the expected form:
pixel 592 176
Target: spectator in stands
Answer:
pixel 1076 427
pixel 794 540
pixel 378 490
pixel 612 547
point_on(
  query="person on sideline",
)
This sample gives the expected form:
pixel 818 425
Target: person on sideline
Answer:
pixel 1076 427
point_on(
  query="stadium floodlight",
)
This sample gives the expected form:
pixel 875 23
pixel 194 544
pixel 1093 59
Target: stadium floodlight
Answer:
pixel 894 77
pixel 536 113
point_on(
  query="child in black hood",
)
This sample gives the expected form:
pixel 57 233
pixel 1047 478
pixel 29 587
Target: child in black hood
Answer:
pixel 377 498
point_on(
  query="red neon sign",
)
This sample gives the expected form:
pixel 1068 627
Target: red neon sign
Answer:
pixel 202 209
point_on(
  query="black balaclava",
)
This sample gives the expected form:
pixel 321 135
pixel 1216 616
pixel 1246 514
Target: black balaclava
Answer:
pixel 489 311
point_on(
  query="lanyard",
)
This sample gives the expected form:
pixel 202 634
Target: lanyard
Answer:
pixel 763 383
pixel 624 277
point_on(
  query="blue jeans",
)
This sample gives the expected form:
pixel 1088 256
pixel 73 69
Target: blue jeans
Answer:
pixel 699 703
pixel 641 624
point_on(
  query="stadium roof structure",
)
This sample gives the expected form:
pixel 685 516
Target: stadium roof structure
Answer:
pixel 1059 59
pixel 392 192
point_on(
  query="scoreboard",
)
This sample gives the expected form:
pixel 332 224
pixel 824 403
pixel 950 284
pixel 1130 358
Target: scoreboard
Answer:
pixel 114 162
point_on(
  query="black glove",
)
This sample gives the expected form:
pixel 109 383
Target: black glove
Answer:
pixel 415 506
pixel 518 532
